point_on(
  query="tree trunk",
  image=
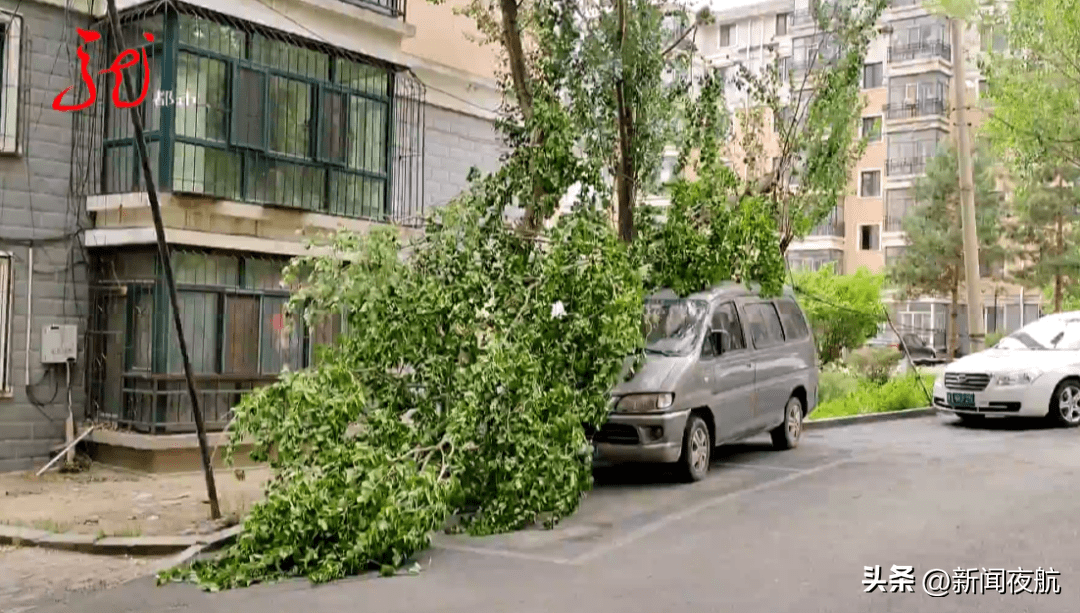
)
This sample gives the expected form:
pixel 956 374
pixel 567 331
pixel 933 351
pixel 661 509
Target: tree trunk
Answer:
pixel 511 38
pixel 954 329
pixel 624 173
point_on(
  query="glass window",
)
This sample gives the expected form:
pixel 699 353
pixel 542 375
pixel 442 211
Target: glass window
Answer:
pixel 672 327
pixel 249 105
pixel 725 35
pixel 871 128
pixel 781 24
pixel 242 338
pixel 198 315
pixel 765 328
pixel 206 81
pixel 870 184
pixel 207 170
pixel 1053 332
pixel 205 269
pixel 726 318
pixel 261 120
pixel 873 75
pixel 282 342
pixel 792 319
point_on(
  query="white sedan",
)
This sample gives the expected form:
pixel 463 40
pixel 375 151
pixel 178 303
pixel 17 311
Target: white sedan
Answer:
pixel 1033 372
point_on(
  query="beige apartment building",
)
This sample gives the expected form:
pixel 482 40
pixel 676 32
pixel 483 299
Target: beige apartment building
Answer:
pixel 907 82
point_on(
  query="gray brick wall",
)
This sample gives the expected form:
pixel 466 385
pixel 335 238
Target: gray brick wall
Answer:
pixel 453 143
pixel 36 209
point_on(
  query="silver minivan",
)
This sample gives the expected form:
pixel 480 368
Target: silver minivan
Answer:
pixel 721 366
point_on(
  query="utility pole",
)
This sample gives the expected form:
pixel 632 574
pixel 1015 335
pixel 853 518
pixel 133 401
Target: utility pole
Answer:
pixel 166 260
pixel 976 333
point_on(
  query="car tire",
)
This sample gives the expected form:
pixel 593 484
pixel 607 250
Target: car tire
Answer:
pixel 787 434
pixel 1065 404
pixel 696 449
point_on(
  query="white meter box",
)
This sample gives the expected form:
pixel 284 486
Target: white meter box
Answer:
pixel 59 344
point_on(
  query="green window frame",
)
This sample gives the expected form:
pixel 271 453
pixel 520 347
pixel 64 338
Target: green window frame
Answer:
pixel 292 154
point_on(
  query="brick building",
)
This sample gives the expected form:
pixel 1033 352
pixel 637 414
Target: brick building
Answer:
pixel 286 121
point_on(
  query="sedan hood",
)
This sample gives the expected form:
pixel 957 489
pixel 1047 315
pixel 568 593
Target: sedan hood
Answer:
pixel 1005 360
pixel 657 374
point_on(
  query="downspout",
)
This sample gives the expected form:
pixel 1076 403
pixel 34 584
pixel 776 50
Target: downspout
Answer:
pixel 29 307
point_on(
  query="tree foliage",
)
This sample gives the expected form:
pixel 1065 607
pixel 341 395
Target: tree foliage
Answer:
pixel 1042 224
pixel 464 387
pixel 474 356
pixel 932 264
pixel 1035 84
pixel 711 232
pixel 847 309
pixel 816 105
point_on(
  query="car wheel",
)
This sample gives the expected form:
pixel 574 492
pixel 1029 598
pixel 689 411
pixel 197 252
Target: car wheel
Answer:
pixel 786 435
pixel 696 449
pixel 1065 404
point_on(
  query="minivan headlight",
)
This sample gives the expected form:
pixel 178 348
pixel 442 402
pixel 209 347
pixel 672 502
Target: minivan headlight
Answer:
pixel 644 403
pixel 1020 377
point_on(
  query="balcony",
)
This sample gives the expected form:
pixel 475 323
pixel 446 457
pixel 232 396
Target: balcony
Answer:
pixel 829 228
pixel 905 166
pixel 803 18
pixel 921 108
pixel 390 8
pixel 926 49
pixel 894 223
pixel 265 119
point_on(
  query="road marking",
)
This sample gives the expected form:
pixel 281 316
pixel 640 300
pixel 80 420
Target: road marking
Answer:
pixel 505 553
pixel 667 520
pixel 722 464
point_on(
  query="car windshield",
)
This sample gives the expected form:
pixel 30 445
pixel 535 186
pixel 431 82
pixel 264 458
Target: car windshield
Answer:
pixel 671 327
pixel 1048 333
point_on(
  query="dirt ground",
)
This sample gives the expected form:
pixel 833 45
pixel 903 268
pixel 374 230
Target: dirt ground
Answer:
pixel 32 577
pixel 110 502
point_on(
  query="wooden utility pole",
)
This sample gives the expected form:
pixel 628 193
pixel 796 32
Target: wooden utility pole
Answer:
pixel 163 252
pixel 976 333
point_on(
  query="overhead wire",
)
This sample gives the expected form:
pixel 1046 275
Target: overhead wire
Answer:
pixel 872 314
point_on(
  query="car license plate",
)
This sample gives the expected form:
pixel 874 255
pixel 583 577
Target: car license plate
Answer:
pixel 961 400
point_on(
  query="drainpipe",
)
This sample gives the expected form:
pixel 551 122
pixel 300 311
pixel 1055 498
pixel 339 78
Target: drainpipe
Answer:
pixel 29 307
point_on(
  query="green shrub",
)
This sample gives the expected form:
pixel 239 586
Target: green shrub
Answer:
pixel 897 394
pixel 834 384
pixel 993 338
pixel 844 310
pixel 875 363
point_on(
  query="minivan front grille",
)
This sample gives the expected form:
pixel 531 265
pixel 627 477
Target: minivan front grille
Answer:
pixel 968 382
pixel 619 434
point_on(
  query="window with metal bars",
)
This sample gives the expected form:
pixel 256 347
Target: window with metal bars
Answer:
pixel 257 118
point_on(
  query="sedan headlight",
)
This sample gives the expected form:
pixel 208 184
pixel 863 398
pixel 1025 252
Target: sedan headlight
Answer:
pixel 644 403
pixel 1020 377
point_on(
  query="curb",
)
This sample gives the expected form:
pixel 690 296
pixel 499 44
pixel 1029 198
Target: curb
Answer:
pixel 120 545
pixel 855 420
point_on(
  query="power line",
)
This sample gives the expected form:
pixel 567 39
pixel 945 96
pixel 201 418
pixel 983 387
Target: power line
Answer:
pixel 884 312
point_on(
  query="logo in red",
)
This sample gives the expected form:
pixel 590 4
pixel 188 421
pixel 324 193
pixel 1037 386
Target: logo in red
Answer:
pixel 118 64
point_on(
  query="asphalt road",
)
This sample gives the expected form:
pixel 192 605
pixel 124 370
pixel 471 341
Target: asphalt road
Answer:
pixel 767 532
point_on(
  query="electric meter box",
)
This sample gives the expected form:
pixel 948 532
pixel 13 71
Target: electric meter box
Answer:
pixel 59 344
